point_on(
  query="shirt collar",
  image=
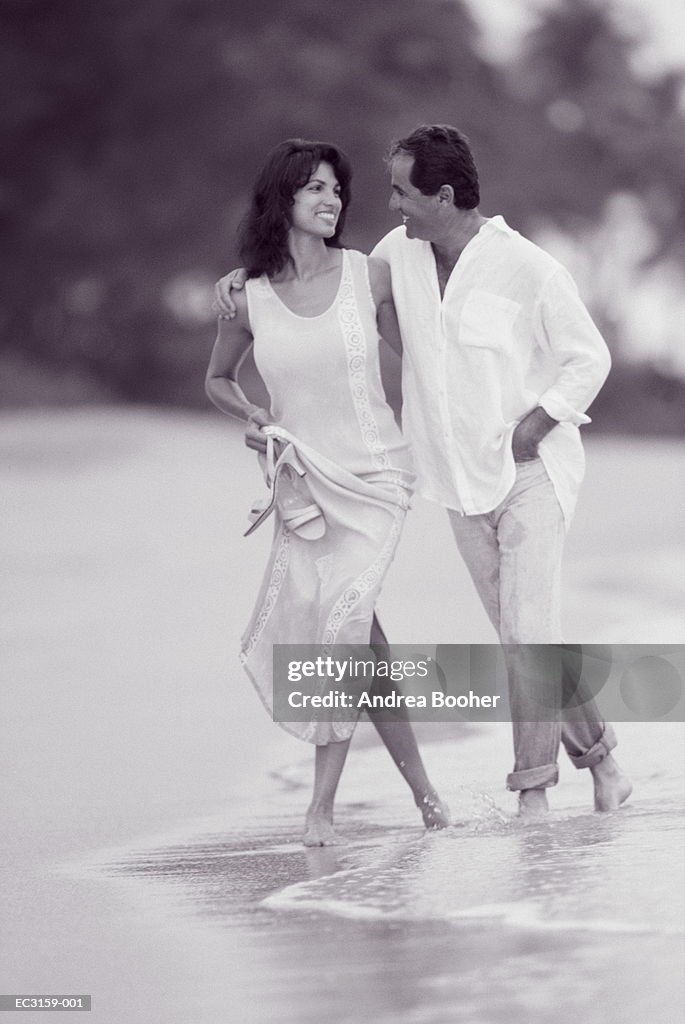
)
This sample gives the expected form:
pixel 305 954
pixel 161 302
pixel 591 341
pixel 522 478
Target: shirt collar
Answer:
pixel 498 223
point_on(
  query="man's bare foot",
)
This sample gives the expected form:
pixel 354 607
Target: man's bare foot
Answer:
pixel 533 803
pixel 318 830
pixel 434 812
pixel 612 786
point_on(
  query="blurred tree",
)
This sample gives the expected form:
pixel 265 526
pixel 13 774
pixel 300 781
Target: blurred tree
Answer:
pixel 132 129
pixel 602 128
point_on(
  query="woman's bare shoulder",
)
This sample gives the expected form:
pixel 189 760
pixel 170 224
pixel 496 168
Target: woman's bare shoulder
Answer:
pixel 233 327
pixel 242 309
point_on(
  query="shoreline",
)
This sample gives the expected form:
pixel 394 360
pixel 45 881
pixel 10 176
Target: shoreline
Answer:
pixel 135 737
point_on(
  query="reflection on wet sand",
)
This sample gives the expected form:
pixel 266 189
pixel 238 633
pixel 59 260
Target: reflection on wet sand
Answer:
pixel 492 917
pixel 128 716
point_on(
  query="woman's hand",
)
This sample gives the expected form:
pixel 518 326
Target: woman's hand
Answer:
pixel 254 437
pixel 223 304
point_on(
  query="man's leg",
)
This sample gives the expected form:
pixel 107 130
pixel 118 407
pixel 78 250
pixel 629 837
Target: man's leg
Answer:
pixel 531 535
pixel 514 557
pixel 500 550
pixel 589 741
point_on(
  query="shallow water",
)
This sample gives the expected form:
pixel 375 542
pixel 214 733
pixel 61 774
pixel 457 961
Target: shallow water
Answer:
pixel 491 920
pixel 127 714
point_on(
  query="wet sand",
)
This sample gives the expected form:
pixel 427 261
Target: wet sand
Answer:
pixel 151 858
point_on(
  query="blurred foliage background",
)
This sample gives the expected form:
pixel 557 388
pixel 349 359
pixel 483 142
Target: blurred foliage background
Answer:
pixel 132 129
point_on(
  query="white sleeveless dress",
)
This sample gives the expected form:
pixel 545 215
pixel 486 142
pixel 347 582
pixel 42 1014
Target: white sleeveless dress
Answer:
pixel 323 377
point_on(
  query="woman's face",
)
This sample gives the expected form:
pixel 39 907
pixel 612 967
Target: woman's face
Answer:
pixel 317 205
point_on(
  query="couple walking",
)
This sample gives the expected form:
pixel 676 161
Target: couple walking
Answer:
pixel 500 360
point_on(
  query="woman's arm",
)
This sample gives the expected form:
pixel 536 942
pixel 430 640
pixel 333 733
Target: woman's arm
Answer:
pixel 386 317
pixel 232 344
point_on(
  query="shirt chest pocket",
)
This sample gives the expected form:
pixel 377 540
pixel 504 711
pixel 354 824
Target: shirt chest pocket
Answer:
pixel 487 321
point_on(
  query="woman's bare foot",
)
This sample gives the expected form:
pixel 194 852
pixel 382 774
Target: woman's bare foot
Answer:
pixel 612 786
pixel 533 803
pixel 434 812
pixel 318 830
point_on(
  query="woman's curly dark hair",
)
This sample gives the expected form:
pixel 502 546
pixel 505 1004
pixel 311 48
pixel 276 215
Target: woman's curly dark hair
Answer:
pixel 263 236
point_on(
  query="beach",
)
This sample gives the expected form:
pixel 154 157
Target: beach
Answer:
pixel 152 812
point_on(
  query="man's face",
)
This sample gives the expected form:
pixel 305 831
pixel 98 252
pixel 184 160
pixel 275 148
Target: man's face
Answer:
pixel 419 212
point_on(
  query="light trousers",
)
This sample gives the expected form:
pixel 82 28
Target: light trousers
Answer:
pixel 514 557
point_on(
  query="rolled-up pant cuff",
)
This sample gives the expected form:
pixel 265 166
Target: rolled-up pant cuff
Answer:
pixel 598 751
pixel 534 778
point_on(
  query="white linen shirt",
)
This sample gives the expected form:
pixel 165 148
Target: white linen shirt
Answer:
pixel 509 334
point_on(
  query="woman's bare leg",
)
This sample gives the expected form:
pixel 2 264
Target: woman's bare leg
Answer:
pixel 398 737
pixel 328 767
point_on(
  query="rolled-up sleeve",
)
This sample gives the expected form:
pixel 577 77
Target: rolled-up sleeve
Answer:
pixel 564 327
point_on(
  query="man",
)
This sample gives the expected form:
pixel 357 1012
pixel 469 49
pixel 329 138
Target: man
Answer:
pixel 500 362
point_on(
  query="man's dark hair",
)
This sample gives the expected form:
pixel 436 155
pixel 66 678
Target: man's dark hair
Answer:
pixel 288 167
pixel 442 156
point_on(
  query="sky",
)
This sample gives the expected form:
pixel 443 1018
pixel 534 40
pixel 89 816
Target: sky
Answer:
pixel 661 22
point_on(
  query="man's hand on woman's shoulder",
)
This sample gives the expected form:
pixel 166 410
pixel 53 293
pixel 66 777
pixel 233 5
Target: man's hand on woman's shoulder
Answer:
pixel 224 303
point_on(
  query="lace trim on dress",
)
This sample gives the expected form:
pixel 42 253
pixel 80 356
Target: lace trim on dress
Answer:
pixel 367 279
pixel 278 575
pixel 368 579
pixel 355 343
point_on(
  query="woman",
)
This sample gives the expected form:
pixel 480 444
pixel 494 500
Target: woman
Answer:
pixel 313 312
